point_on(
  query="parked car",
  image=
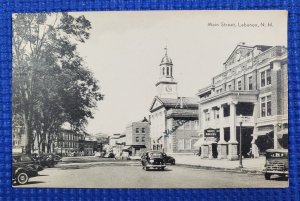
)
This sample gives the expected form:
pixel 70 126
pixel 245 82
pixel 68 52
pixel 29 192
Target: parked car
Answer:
pixel 109 155
pixel 27 160
pixel 153 159
pixel 276 163
pixel 47 160
pixel 168 159
pixel 22 172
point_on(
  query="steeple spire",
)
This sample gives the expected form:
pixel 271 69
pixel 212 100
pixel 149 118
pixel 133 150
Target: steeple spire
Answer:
pixel 166 49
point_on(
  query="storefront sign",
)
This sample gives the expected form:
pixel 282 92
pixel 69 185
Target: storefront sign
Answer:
pixel 210 132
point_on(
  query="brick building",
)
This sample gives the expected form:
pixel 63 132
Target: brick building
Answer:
pixel 251 90
pixel 174 119
pixel 68 142
pixel 137 137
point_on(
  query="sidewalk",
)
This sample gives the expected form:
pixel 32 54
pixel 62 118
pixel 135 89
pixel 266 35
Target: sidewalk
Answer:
pixel 249 164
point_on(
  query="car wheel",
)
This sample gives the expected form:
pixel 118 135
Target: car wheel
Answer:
pixel 22 178
pixel 267 176
pixel 163 168
pixel 173 162
pixel 146 168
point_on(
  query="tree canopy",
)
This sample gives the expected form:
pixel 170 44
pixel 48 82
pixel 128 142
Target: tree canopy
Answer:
pixel 51 84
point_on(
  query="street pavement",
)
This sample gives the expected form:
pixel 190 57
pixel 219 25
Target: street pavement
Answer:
pixel 129 174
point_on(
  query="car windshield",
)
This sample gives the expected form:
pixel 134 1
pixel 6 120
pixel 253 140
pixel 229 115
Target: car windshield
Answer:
pixel 26 158
pixel 155 154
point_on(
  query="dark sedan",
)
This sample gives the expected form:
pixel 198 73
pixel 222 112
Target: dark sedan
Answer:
pixel 153 159
pixel 168 159
pixel 22 172
pixel 27 160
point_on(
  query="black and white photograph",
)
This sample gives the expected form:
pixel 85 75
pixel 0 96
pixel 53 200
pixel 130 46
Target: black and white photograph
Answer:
pixel 150 99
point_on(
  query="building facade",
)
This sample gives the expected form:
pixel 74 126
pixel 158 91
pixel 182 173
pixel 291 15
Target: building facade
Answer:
pixel 250 96
pixel 68 142
pixel 174 119
pixel 137 137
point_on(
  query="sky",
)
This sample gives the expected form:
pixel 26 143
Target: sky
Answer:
pixel 125 49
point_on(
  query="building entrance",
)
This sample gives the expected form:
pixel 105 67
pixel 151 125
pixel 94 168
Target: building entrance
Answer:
pixel 215 150
pixel 246 140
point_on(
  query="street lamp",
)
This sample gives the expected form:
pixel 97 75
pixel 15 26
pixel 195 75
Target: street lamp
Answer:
pixel 241 162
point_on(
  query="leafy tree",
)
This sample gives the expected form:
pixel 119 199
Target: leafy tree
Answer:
pixel 51 85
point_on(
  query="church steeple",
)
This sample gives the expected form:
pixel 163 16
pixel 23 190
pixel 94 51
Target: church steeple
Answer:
pixel 166 67
pixel 166 85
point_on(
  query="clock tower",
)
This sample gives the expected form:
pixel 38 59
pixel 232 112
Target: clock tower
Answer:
pixel 166 85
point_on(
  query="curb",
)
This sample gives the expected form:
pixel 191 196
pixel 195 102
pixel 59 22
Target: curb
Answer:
pixel 235 170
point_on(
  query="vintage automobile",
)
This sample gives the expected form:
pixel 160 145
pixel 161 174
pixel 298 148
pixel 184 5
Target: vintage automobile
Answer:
pixel 153 159
pixel 276 163
pixel 49 159
pixel 22 173
pixel 27 160
pixel 168 159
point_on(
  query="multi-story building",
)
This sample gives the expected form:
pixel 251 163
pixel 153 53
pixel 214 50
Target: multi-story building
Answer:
pixel 174 120
pixel 251 93
pixel 88 146
pixel 137 137
pixel 68 142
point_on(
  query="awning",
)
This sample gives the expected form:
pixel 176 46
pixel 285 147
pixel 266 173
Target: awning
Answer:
pixel 126 148
pixel 138 146
pixel 259 133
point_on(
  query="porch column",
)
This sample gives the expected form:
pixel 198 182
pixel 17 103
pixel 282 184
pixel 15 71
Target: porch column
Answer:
pixel 275 136
pixel 253 145
pixel 222 144
pixel 204 150
pixel 232 144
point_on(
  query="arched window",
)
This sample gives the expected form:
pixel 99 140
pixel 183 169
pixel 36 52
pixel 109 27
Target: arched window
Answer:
pixel 163 70
pixel 167 70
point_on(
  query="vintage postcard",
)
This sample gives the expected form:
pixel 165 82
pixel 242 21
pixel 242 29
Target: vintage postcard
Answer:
pixel 150 99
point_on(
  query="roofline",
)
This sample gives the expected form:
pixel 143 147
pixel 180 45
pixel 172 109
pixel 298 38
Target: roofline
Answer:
pixel 236 48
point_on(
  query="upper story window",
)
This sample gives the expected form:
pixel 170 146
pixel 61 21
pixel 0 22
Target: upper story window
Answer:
pixel 250 83
pixel 143 139
pixel 229 87
pixel 265 106
pixel 265 78
pixel 143 130
pixel 137 139
pixel 218 91
pixel 216 114
pixel 207 116
pixel 137 130
pixel 239 85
